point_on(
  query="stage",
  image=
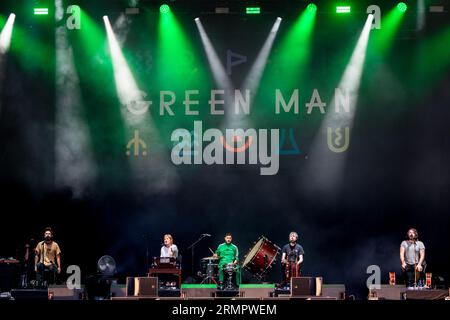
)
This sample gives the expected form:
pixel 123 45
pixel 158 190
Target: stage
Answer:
pixel 210 151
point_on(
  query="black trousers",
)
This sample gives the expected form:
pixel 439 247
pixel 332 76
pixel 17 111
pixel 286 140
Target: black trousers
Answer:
pixel 408 275
pixel 47 273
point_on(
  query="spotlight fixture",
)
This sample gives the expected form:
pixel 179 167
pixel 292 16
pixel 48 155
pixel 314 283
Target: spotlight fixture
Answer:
pixel 402 7
pixel 343 9
pixel 40 11
pixel 312 7
pixel 164 9
pixel 253 10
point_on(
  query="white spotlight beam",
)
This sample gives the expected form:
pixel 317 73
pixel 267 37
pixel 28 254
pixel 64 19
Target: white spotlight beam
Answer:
pixel 254 77
pixel 220 75
pixel 221 78
pixel 5 36
pixel 351 79
pixel 151 172
pixel 421 15
pixel 325 169
pixel 73 148
pixel 127 88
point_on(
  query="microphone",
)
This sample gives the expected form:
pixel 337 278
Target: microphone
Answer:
pixel 206 235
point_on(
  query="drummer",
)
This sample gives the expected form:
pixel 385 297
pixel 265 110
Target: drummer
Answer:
pixel 228 253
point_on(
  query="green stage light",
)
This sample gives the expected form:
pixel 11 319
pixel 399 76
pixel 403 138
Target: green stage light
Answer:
pixel 343 9
pixel 402 7
pixel 164 8
pixel 40 11
pixel 312 7
pixel 253 10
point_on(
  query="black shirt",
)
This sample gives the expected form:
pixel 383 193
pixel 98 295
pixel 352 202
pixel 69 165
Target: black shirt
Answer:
pixel 292 252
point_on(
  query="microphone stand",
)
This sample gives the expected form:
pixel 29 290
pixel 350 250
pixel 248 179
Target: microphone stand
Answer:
pixel 146 254
pixel 415 266
pixel 192 246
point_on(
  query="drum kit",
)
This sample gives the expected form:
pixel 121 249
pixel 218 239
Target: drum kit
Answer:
pixel 257 262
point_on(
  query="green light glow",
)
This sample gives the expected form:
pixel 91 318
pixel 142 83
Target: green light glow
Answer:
pixel 177 61
pixel 91 35
pixel 295 49
pixel 431 62
pixel 288 64
pixel 383 39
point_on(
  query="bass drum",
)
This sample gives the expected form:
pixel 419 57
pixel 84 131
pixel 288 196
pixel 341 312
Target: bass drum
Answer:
pixel 261 257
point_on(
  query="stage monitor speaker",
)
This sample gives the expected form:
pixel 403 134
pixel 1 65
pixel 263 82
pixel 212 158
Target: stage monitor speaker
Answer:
pixel 61 292
pixel 388 292
pixel 256 291
pixel 142 286
pixel 334 290
pixel 29 294
pixel 198 290
pixel 118 290
pixel 306 286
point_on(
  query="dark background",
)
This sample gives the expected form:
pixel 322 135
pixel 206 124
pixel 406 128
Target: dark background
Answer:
pixel 396 173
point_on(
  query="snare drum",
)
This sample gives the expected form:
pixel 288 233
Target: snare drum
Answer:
pixel 261 256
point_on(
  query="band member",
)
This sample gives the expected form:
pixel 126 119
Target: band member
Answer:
pixel 169 250
pixel 227 253
pixel 412 258
pixel 48 256
pixel 291 258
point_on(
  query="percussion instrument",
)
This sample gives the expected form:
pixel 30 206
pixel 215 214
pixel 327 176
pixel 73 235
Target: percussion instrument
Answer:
pixel 292 269
pixel 229 267
pixel 261 257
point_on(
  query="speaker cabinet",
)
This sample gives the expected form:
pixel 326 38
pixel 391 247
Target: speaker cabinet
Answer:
pixel 306 286
pixel 142 287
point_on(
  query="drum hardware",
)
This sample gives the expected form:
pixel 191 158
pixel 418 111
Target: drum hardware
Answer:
pixel 229 270
pixel 210 273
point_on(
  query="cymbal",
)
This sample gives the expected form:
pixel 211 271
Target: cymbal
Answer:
pixel 210 258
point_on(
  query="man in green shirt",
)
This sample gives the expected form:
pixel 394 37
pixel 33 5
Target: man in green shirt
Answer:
pixel 228 253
